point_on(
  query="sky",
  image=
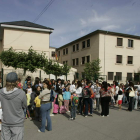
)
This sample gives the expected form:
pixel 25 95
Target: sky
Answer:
pixel 72 19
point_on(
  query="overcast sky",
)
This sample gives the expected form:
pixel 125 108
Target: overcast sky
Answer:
pixel 72 19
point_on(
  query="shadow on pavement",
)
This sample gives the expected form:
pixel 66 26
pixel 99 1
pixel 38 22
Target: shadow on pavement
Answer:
pixel 37 123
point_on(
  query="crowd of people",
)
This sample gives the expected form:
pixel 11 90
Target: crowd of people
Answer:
pixel 42 100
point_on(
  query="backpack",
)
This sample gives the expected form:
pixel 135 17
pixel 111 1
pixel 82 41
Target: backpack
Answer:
pixel 86 93
pixel 75 100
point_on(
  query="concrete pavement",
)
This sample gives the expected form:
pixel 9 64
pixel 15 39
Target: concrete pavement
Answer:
pixel 120 125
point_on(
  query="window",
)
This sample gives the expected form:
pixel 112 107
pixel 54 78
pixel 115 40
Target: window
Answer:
pixel 88 59
pixel 119 41
pixel 59 53
pixel 88 43
pixel 83 45
pixel 77 61
pixel 77 47
pixel 130 43
pixel 119 59
pixel 83 75
pixel 83 60
pixel 73 48
pixel 66 62
pixel 63 62
pixel 118 76
pixel 77 75
pixel 136 77
pixel 130 60
pixel 129 76
pixel 66 50
pixel 53 54
pixel 63 51
pixel 73 60
pixel 110 75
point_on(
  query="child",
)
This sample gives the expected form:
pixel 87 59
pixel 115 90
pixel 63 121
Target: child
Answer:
pixel 28 104
pixel 60 98
pixel 29 89
pixel 38 105
pixel 19 84
pixel 74 104
pixel 66 97
pixel 120 96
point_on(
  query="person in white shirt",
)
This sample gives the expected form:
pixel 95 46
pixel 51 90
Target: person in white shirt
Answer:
pixel 136 98
pixel 29 89
pixel 116 92
pixel 79 93
pixel 72 87
pixel 120 96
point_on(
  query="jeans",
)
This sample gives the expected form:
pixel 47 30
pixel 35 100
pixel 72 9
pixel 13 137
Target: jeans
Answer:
pixel 73 111
pixel 88 101
pixel 45 114
pixel 98 104
pixel 38 114
pixel 80 105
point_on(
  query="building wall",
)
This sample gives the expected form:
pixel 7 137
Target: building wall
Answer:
pixel 51 49
pixel 23 40
pixel 92 51
pixel 108 43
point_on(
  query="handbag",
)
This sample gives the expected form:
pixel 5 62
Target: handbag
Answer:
pixel 132 94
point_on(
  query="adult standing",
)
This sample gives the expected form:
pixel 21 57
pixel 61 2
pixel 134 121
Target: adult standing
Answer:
pixel 105 99
pixel 87 92
pixel 13 101
pixel 131 96
pixel 116 92
pixel 46 106
pixel 79 93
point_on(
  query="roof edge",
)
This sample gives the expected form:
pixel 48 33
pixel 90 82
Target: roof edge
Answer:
pixel 102 32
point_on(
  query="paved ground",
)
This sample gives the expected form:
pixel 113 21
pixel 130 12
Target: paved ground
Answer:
pixel 120 125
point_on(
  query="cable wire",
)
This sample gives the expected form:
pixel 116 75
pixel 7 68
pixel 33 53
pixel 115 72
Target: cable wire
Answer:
pixel 44 10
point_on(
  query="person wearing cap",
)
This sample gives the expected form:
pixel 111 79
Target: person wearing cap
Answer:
pixel 13 102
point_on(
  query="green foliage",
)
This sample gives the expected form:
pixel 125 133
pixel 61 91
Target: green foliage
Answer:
pixel 66 69
pixel 92 70
pixel 55 69
pixel 30 61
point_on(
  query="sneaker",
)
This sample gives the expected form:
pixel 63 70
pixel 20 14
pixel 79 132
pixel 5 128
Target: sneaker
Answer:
pixel 71 118
pixel 90 114
pixel 51 114
pixel 85 115
pixel 102 115
pixel 39 130
pixel 107 115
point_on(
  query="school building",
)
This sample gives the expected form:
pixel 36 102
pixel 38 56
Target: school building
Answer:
pixel 119 54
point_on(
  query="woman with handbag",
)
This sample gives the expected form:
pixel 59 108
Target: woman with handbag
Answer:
pixel 105 95
pixel 46 106
pixel 131 96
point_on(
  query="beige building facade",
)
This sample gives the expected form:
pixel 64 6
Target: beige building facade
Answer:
pixel 21 35
pixel 119 55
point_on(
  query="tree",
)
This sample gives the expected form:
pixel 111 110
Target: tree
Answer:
pixel 66 70
pixel 30 61
pixel 53 68
pixel 92 70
